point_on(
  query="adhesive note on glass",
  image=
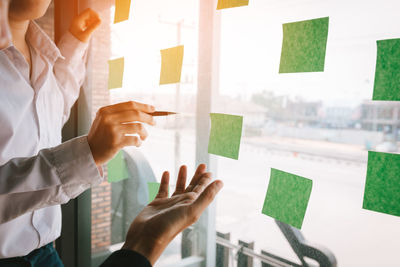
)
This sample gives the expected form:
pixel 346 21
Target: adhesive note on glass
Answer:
pixel 304 46
pixel 231 3
pixel 225 135
pixel 115 73
pixel 287 197
pixel 387 74
pixel 122 9
pixel 171 65
pixel 117 168
pixel 382 186
pixel 153 190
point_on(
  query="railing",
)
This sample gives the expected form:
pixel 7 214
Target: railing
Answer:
pixel 245 253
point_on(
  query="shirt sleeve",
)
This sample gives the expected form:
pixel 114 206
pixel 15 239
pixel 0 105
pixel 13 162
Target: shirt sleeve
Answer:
pixel 126 258
pixel 70 70
pixel 52 177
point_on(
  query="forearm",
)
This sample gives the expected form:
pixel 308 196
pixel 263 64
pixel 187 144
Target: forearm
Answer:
pixel 52 177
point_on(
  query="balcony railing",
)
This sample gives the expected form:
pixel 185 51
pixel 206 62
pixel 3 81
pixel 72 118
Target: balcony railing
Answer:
pixel 245 254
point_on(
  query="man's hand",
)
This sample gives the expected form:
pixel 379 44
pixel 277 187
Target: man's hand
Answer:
pixel 114 126
pixel 84 24
pixel 159 222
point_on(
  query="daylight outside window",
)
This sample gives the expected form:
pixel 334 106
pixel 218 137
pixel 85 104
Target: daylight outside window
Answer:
pixel 318 125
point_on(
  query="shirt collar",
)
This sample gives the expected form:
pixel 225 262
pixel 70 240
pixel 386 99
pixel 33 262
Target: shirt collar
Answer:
pixel 39 40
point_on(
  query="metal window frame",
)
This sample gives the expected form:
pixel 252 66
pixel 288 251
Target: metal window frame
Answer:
pixel 208 85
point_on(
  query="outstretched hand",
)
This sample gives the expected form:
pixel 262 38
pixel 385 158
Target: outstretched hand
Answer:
pixel 84 24
pixel 164 218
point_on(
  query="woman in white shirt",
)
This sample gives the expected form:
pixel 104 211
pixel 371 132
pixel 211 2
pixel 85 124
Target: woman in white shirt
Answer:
pixel 39 84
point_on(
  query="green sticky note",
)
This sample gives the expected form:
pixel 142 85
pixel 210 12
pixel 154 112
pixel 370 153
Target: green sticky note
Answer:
pixel 122 9
pixel 304 46
pixel 225 135
pixel 287 197
pixel 115 73
pixel 171 65
pixel 231 3
pixel 153 190
pixel 382 186
pixel 387 74
pixel 117 168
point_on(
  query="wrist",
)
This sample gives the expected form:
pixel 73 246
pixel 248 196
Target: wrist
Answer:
pixel 152 250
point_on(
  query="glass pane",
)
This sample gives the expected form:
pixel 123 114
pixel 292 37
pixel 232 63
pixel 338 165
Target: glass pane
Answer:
pixel 316 125
pixel 153 25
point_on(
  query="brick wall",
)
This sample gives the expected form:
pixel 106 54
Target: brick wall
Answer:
pixel 98 81
pixel 98 73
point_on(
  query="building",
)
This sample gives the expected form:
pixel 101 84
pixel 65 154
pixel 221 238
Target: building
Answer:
pixel 383 116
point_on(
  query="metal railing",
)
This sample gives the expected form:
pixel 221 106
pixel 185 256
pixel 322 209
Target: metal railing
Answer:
pixel 245 253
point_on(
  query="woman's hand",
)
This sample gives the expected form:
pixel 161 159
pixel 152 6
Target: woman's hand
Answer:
pixel 159 222
pixel 84 24
pixel 118 126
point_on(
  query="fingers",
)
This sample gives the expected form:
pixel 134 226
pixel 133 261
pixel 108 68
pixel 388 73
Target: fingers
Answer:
pixel 88 18
pixel 203 182
pixel 163 191
pixel 181 181
pixel 130 116
pixel 125 106
pixel 114 126
pixel 130 141
pixel 200 170
pixel 206 197
pixel 134 128
pixel 84 24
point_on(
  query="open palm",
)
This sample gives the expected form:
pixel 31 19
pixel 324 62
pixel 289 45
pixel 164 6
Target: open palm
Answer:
pixel 165 217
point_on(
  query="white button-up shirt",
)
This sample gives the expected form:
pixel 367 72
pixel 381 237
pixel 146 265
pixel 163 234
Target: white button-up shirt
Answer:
pixel 37 174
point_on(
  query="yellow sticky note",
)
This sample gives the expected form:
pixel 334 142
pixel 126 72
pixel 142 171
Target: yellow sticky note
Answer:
pixel 115 73
pixel 122 8
pixel 171 65
pixel 231 3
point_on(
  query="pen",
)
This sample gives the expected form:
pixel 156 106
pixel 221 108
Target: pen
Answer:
pixel 161 113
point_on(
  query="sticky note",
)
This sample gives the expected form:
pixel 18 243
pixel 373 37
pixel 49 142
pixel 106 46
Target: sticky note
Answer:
pixel 117 168
pixel 122 9
pixel 387 73
pixel 304 46
pixel 153 190
pixel 231 3
pixel 225 135
pixel 115 73
pixel 287 197
pixel 382 186
pixel 171 65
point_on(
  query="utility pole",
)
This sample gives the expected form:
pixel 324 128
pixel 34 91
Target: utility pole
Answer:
pixel 177 149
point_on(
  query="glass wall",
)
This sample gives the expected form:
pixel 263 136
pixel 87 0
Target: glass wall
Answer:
pixel 317 125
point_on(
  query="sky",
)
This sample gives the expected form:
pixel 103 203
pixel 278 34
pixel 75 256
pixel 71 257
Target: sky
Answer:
pixel 251 41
